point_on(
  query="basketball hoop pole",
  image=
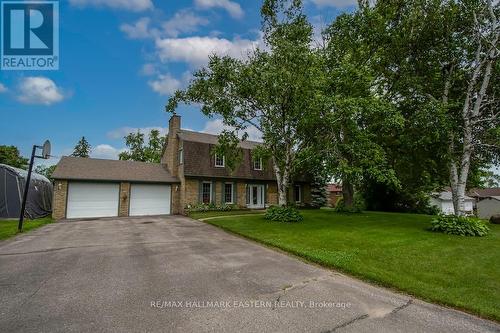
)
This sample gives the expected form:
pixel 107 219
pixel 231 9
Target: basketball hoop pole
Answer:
pixel 45 155
pixel 26 188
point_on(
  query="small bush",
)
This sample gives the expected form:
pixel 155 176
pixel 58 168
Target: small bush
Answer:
pixel 283 214
pixel 459 225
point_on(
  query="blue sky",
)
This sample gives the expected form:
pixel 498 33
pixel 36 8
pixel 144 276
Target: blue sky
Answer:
pixel 119 62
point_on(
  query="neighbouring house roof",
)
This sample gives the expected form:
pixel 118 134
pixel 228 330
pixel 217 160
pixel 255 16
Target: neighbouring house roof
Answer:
pixel 484 192
pixel 333 188
pixel 212 139
pixel 447 196
pixel 77 168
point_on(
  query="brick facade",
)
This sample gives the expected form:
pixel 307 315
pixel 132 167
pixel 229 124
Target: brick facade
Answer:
pixel 124 203
pixel 59 199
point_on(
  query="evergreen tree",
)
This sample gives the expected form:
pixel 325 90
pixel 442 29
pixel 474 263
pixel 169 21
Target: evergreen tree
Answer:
pixel 82 148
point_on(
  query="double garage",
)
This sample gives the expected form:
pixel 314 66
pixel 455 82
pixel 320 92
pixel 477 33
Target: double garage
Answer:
pixel 92 188
pixel 103 200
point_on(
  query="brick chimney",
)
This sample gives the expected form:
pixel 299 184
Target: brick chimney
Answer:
pixel 172 152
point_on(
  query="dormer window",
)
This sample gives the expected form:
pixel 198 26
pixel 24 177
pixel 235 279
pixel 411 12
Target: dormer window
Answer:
pixel 257 164
pixel 220 161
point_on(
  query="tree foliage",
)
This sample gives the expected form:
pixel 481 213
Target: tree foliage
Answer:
pixel 82 148
pixel 139 150
pixel 273 89
pixel 45 170
pixel 10 155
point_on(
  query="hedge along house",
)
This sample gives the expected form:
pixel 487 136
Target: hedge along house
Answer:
pixel 189 174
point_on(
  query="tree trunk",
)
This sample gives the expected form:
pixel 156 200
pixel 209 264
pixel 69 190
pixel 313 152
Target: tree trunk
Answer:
pixel 283 181
pixel 348 193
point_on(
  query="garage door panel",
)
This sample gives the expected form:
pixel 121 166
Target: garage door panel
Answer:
pixel 148 199
pixel 92 200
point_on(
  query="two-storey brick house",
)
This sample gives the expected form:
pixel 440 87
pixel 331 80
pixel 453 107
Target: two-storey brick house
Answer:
pixel 189 174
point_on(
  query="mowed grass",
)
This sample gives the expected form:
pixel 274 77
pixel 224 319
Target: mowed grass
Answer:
pixel 8 228
pixel 394 250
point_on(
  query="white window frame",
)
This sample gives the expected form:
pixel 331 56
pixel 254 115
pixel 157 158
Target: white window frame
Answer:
pixel 260 164
pixel 211 192
pixel 223 161
pixel 300 193
pixel 232 193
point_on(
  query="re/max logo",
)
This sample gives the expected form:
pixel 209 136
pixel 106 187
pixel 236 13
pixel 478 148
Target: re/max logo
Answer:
pixel 30 35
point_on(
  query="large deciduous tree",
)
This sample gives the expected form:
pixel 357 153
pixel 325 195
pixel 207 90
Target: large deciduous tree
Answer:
pixel 10 155
pixel 437 62
pixel 139 150
pixel 273 89
pixel 355 119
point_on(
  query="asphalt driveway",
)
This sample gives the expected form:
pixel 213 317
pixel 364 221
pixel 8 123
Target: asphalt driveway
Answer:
pixel 175 274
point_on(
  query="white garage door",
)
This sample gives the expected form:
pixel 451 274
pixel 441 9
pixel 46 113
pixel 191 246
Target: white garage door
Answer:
pixel 92 200
pixel 149 200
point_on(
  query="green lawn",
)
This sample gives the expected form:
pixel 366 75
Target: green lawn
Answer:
pixel 393 250
pixel 9 228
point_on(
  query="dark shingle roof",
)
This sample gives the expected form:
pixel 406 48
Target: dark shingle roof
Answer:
pixel 212 139
pixel 77 168
pixel 484 192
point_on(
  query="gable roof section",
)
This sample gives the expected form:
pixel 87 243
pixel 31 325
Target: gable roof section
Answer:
pixel 447 196
pixel 212 139
pixel 78 168
pixel 485 192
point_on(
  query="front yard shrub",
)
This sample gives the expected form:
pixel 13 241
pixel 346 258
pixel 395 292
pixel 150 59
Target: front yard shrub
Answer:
pixel 357 207
pixel 283 214
pixel 209 208
pixel 459 225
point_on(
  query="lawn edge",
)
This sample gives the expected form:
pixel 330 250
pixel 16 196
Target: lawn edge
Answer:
pixel 20 234
pixel 378 283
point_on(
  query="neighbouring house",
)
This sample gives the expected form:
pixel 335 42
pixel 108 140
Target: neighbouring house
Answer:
pixel 443 201
pixel 334 194
pixel 189 174
pixel 487 201
pixel 488 207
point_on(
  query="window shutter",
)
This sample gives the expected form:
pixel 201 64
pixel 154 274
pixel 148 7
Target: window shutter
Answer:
pixel 235 193
pixel 223 193
pixel 213 192
pixel 265 194
pixel 200 192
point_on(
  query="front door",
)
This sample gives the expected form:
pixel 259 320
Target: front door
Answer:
pixel 255 196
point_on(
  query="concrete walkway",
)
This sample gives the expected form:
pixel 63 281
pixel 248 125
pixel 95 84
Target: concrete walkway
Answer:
pixel 174 274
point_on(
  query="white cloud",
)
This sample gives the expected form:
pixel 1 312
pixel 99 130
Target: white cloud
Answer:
pixel 233 8
pixel 183 21
pixel 139 30
pixel 165 84
pixel 196 50
pixel 121 132
pixel 216 126
pixel 106 151
pixel 39 90
pixel 132 5
pixel 335 3
pixel 3 88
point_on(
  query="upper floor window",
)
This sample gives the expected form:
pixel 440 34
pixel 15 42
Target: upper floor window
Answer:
pixel 257 164
pixel 220 161
pixel 181 156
